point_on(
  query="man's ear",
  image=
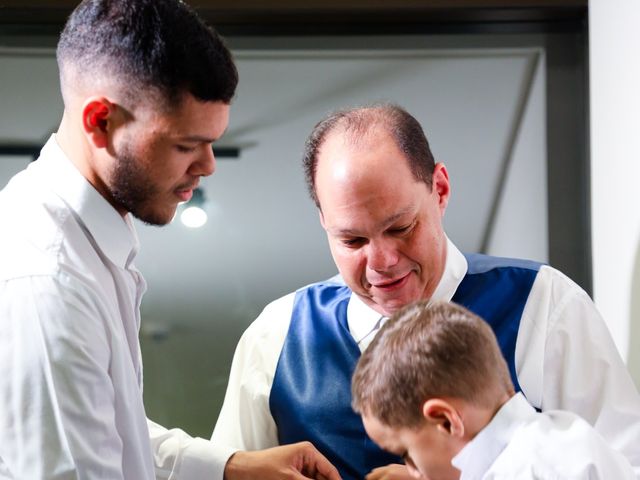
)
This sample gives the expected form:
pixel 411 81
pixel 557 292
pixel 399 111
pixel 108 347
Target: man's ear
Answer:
pixel 97 115
pixel 444 416
pixel 441 185
pixel 321 218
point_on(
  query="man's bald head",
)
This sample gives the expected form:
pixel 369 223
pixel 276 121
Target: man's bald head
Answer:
pixel 360 127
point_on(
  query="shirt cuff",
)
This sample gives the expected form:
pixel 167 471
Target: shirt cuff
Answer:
pixel 202 460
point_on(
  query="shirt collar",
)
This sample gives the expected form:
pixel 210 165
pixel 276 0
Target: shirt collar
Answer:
pixel 362 320
pixel 480 453
pixel 114 235
pixel 455 268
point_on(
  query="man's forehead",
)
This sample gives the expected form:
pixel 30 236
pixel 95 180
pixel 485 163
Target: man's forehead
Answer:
pixel 356 138
pixel 345 151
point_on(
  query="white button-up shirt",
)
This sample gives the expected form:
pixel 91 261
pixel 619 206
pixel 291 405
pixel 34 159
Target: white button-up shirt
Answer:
pixel 70 366
pixel 522 444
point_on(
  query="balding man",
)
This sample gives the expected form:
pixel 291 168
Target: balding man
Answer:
pixel 146 88
pixel 381 199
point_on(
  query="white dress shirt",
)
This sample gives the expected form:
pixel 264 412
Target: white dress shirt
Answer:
pixel 565 360
pixel 522 444
pixel 70 368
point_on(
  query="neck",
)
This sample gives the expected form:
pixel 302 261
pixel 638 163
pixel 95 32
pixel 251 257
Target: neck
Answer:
pixel 75 145
pixel 477 418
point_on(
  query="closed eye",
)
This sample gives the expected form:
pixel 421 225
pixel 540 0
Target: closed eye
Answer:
pixel 185 148
pixel 352 242
pixel 401 230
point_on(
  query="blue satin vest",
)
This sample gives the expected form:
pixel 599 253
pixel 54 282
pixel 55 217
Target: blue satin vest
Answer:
pixel 311 393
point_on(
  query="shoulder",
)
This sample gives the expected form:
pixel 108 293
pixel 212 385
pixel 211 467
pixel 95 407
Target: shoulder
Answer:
pixel 57 310
pixel 562 443
pixel 42 236
pixel 554 294
pixel 275 318
pixel 550 289
pixel 479 263
pixel 547 444
pixel 556 281
pixel 35 224
pixel 274 313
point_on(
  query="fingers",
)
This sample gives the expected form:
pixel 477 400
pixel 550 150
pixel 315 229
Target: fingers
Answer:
pixel 317 464
pixel 299 461
pixel 389 472
pixel 299 476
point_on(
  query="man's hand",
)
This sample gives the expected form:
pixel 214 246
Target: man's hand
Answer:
pixel 296 462
pixel 390 472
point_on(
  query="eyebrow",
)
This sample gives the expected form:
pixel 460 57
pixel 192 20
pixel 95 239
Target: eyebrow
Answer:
pixel 386 222
pixel 196 139
pixel 201 138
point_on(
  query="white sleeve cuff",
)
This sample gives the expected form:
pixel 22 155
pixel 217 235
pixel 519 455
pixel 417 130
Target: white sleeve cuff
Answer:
pixel 203 460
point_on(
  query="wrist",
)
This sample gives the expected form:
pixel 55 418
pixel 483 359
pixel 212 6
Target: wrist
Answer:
pixel 235 468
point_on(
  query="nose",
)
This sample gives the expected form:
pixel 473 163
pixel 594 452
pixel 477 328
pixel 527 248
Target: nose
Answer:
pixel 205 164
pixel 382 254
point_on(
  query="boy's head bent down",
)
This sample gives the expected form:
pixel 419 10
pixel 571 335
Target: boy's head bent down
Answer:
pixel 432 378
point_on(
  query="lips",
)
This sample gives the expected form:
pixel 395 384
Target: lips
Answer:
pixel 184 195
pixel 392 284
pixel 185 192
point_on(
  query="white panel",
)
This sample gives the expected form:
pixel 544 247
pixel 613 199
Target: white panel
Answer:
pixel 614 43
pixel 521 228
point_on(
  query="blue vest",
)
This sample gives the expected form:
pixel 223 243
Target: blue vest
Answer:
pixel 311 392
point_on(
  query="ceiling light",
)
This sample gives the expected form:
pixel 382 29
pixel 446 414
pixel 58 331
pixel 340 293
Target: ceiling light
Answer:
pixel 193 214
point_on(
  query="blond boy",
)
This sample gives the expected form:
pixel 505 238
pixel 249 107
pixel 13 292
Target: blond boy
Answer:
pixel 434 388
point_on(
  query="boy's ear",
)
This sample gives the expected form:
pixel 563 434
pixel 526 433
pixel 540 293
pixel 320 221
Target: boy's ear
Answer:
pixel 97 114
pixel 444 416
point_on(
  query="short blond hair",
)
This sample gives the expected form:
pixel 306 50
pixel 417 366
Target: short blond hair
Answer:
pixel 427 351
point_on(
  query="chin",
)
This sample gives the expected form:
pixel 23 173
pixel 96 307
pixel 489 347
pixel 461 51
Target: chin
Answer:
pixel 393 308
pixel 154 218
pixel 388 308
pixel 401 302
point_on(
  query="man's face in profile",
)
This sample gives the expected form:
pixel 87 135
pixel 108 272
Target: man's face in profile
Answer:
pixel 161 156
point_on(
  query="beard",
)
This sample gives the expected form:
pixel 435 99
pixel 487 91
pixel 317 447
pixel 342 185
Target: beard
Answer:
pixel 132 190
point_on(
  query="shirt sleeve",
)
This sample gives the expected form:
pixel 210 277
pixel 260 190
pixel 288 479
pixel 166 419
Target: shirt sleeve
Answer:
pixel 566 359
pixel 55 390
pixel 180 456
pixel 245 420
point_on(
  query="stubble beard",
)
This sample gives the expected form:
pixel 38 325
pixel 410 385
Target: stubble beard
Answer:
pixel 132 190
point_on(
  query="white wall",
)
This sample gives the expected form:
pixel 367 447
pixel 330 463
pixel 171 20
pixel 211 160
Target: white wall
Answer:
pixel 614 42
